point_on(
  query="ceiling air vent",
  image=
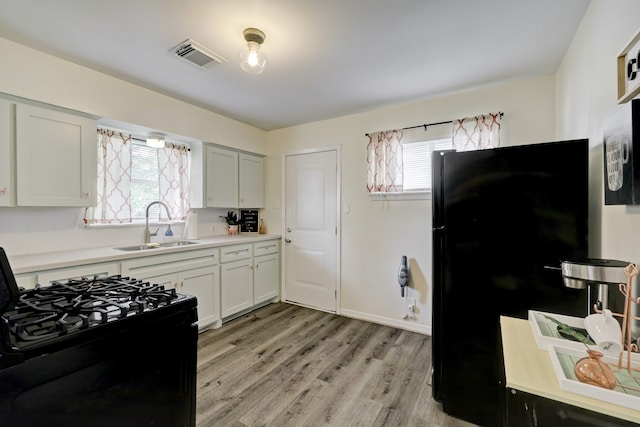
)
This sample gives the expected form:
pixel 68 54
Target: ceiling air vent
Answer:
pixel 196 54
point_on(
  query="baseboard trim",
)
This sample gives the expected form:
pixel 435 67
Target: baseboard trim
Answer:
pixel 412 327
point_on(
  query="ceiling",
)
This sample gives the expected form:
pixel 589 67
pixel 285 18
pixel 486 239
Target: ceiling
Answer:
pixel 326 58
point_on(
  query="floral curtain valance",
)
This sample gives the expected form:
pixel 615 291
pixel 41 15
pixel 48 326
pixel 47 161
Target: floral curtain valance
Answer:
pixel 384 160
pixel 477 133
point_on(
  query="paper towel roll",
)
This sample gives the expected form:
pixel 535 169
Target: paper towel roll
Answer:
pixel 191 226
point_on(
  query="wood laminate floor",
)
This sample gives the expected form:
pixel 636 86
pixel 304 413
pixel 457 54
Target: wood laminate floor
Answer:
pixel 284 365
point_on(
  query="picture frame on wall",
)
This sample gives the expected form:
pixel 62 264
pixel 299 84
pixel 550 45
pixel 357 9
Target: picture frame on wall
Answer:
pixel 621 145
pixel 629 70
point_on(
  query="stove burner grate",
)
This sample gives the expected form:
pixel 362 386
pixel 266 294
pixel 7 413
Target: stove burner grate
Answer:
pixel 64 308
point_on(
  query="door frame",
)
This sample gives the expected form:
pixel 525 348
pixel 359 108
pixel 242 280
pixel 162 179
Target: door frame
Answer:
pixel 338 150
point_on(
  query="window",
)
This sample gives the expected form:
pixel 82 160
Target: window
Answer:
pixel 416 159
pixel 132 175
pixel 144 179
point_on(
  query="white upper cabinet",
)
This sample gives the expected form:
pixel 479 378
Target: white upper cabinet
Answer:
pixel 251 181
pixel 7 196
pixel 56 157
pixel 221 178
pixel 233 180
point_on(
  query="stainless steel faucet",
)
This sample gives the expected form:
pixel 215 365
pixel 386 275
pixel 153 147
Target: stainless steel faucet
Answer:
pixel 147 232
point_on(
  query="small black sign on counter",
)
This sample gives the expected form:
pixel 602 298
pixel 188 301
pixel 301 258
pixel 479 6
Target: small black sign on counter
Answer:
pixel 249 219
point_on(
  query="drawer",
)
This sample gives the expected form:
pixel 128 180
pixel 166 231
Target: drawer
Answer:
pixel 169 263
pixel 235 252
pixel 266 247
pixel 90 270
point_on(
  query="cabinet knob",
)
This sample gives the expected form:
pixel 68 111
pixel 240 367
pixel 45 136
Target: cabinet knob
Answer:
pixel 87 195
pixel 4 191
pixel 287 240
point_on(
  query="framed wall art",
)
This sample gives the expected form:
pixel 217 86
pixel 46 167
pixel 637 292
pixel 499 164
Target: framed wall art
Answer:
pixel 629 70
pixel 622 155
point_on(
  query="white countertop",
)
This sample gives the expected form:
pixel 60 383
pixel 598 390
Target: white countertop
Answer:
pixel 60 259
pixel 529 369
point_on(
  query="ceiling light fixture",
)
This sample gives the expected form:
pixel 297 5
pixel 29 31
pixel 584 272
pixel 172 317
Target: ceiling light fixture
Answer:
pixel 253 60
pixel 155 141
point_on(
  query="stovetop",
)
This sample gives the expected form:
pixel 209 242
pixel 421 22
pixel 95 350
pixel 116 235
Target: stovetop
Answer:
pixel 62 309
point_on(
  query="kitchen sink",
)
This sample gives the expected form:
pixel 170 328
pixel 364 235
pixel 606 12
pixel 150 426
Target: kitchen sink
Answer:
pixel 147 246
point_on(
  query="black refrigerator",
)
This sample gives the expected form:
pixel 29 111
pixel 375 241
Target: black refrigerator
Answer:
pixel 503 221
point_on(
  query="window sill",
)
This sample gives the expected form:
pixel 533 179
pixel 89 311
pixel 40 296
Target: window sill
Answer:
pixel 407 195
pixel 134 224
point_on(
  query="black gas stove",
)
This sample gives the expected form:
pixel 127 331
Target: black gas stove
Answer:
pixel 123 349
pixel 51 314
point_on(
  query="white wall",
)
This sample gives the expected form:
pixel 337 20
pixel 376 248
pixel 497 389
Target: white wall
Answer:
pixel 375 234
pixel 31 74
pixel 587 96
pixel 28 73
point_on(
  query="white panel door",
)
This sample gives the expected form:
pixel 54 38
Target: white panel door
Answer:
pixel 311 229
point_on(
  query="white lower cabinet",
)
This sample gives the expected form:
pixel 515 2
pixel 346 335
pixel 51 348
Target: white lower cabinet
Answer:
pixel 192 273
pixel 226 280
pixel 247 280
pixel 236 278
pixel 266 272
pixel 237 286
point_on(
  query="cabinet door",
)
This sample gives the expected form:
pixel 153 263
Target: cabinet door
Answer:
pixel 236 286
pixel 221 178
pixel 266 277
pixel 251 181
pixel 56 156
pixel 6 157
pixel 204 284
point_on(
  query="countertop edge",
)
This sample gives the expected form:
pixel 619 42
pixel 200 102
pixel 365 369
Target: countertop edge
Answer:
pixel 31 263
pixel 539 378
